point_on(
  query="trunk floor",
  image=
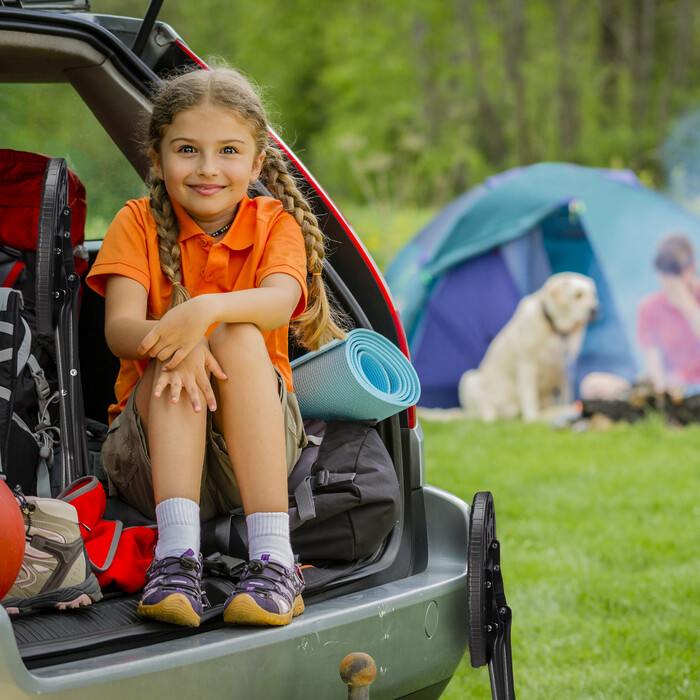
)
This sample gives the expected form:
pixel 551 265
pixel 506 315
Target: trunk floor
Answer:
pixel 53 637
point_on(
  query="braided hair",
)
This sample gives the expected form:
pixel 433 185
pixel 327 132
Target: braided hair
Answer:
pixel 321 321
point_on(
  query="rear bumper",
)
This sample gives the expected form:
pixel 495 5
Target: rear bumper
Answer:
pixel 415 629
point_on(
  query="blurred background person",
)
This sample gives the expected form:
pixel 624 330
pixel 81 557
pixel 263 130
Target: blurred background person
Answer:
pixel 668 322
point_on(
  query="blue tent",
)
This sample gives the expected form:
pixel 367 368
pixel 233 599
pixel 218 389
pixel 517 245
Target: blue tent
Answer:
pixel 459 280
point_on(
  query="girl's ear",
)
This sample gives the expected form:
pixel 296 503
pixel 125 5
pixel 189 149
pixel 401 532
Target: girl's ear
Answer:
pixel 257 166
pixel 155 159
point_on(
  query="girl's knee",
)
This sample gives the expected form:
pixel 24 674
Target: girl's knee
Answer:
pixel 237 342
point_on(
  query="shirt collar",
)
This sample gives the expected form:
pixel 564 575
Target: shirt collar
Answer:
pixel 239 237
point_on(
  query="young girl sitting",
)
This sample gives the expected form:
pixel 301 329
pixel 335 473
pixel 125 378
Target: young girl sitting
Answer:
pixel 200 283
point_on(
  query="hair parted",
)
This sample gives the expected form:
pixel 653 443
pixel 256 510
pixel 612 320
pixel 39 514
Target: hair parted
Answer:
pixel 225 87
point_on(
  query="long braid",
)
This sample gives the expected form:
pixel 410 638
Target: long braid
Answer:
pixel 168 229
pixel 320 322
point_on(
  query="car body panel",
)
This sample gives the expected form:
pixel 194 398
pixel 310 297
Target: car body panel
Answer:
pixel 414 628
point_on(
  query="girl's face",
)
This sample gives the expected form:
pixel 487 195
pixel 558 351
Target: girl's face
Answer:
pixel 207 159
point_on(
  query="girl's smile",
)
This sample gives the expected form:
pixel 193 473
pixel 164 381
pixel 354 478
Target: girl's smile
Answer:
pixel 207 159
pixel 206 190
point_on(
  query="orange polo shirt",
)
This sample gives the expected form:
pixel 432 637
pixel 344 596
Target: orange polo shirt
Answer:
pixel 263 239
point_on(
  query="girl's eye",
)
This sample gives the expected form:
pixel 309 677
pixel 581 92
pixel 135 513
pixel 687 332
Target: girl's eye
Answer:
pixel 228 150
pixel 186 149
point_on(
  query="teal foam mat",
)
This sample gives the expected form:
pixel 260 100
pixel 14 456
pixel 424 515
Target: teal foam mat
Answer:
pixel 363 377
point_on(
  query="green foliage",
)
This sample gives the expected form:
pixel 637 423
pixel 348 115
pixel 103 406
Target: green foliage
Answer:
pixel 600 553
pixel 407 104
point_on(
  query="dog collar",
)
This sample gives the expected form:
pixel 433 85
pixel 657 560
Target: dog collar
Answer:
pixel 550 320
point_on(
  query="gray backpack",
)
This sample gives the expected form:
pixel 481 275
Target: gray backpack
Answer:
pixel 343 493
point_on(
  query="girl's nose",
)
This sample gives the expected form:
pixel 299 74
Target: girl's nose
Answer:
pixel 206 164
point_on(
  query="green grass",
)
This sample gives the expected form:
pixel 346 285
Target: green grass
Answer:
pixel 600 553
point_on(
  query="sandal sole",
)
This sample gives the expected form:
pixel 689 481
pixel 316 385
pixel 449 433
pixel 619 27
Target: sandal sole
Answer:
pixel 175 609
pixel 243 610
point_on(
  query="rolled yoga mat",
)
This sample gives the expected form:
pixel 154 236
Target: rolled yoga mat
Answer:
pixel 363 377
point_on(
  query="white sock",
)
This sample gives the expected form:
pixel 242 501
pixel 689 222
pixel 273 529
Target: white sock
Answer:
pixel 178 527
pixel 268 538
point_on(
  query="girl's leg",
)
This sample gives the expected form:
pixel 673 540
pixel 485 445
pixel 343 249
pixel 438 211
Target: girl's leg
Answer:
pixel 175 435
pixel 249 416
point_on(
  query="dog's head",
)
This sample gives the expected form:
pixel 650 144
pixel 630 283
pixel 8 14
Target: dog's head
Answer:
pixel 570 301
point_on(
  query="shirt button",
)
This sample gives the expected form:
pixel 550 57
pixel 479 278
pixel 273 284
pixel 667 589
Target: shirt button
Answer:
pixel 203 242
pixel 203 271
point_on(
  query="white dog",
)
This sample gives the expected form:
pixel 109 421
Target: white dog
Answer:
pixel 524 369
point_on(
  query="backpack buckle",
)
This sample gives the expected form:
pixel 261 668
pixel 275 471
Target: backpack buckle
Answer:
pixel 322 478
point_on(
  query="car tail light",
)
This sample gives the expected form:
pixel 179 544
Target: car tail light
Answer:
pixel 186 50
pixel 412 417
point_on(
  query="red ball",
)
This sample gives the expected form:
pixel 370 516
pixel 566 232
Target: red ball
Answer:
pixel 11 539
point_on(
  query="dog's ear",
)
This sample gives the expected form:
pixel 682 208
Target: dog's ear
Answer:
pixel 559 292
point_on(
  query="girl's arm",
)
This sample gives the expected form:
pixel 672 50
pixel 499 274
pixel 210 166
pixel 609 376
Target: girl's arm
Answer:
pixel 125 316
pixel 126 324
pixel 269 306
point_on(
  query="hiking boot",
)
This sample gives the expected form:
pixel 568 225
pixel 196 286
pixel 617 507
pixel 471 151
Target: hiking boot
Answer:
pixel 55 571
pixel 173 591
pixel 267 594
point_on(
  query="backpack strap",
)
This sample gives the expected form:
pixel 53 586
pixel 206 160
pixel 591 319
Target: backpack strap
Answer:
pixel 111 549
pixel 10 304
pixel 11 266
pixel 316 479
pixel 45 434
pixel 304 493
pixel 23 352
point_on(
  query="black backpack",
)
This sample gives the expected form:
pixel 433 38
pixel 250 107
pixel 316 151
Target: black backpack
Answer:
pixel 344 500
pixel 29 428
pixel 343 493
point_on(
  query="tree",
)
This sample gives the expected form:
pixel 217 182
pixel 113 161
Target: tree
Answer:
pixel 413 102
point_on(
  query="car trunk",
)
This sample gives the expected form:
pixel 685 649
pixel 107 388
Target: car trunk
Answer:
pixel 114 85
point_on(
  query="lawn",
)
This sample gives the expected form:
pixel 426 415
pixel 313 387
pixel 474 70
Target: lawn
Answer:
pixel 600 553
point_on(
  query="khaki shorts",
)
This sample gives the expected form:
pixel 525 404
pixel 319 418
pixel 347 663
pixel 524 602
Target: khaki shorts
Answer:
pixel 126 461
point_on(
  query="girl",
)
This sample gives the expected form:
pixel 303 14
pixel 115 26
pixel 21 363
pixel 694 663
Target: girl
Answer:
pixel 200 283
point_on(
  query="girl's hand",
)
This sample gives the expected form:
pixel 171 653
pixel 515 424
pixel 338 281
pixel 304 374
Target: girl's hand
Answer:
pixel 193 376
pixel 174 337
